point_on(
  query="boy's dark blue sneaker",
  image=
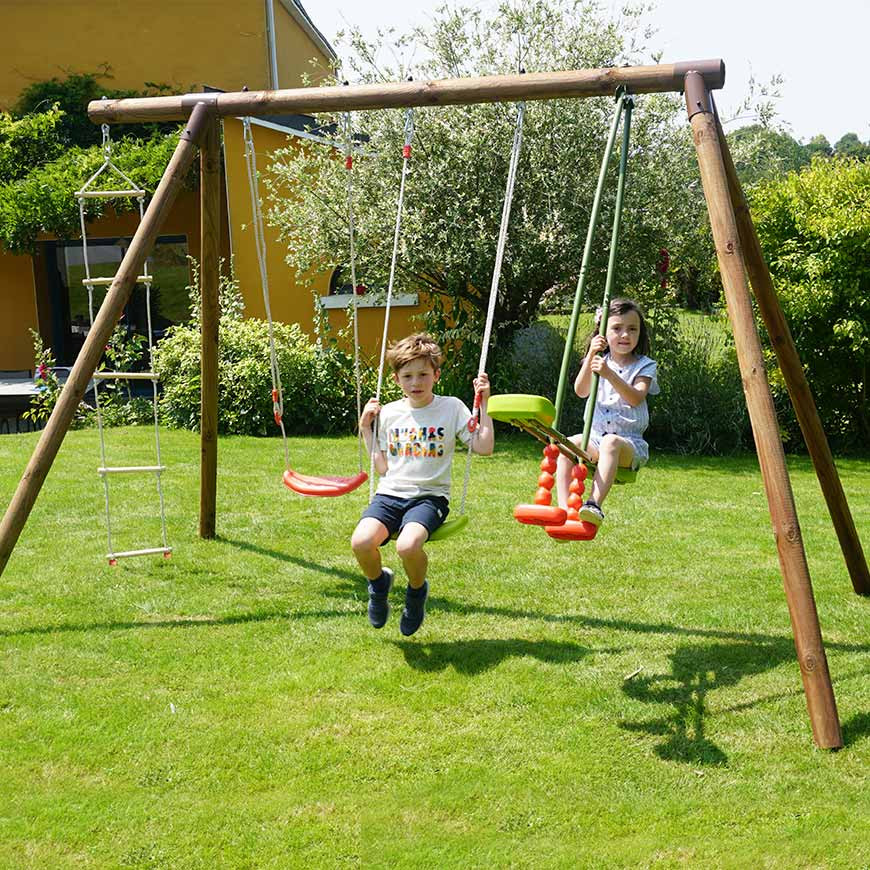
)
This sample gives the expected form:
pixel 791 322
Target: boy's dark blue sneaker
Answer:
pixel 379 594
pixel 415 609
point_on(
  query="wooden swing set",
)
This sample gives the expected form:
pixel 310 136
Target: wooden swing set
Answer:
pixel 737 248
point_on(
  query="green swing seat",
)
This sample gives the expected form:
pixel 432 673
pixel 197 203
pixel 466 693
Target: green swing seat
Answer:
pixel 535 415
pixel 446 530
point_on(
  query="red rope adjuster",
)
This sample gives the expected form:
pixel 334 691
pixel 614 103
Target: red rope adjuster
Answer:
pixel 276 407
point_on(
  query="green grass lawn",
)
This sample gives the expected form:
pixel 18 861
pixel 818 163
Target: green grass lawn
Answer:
pixel 231 707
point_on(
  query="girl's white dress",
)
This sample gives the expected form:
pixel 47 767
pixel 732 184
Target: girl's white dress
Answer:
pixel 614 416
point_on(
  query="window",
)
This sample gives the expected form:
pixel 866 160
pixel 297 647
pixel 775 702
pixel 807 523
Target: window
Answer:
pixel 171 276
pixel 341 293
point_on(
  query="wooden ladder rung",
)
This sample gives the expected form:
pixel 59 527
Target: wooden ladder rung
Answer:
pixel 130 469
pixel 151 551
pixel 105 282
pixel 109 194
pixel 126 376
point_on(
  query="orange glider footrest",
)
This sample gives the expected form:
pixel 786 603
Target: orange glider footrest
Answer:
pixel 309 484
pixel 572 530
pixel 540 514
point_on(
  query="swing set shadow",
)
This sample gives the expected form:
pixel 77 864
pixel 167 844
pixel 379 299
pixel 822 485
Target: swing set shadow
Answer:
pixel 697 668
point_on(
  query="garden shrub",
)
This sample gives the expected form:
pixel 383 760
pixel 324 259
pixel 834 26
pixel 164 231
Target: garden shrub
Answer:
pixel 814 227
pixel 700 409
pixel 318 382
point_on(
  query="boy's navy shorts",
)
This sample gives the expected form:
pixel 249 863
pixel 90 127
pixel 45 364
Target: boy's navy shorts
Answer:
pixel 395 513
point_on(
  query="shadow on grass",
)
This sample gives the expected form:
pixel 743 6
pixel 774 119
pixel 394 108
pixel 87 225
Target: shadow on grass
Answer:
pixel 293 560
pixel 178 622
pixel 856 728
pixel 476 656
pixel 696 670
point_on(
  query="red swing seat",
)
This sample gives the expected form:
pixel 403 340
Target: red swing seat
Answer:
pixel 323 485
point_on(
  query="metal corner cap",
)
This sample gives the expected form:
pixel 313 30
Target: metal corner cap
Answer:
pixel 188 101
pixel 713 71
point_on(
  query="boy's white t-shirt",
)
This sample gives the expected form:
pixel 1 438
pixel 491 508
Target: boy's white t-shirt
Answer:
pixel 418 444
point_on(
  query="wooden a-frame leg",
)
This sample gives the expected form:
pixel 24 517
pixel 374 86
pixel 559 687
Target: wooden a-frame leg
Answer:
pixel 792 558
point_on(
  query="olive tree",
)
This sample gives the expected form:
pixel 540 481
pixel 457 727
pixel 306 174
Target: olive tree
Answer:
pixel 455 187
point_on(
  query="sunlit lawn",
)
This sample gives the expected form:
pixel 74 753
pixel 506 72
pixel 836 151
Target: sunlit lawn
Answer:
pixel 630 702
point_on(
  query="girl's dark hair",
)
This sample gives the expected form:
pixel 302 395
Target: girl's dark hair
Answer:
pixel 622 306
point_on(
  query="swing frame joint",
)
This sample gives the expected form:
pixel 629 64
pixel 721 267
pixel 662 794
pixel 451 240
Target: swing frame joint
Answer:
pixel 697 94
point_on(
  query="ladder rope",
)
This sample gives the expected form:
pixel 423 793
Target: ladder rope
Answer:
pixel 85 192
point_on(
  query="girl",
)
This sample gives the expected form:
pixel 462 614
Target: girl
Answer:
pixel 627 376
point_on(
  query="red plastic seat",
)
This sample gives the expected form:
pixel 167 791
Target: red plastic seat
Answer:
pixel 326 485
pixel 540 514
pixel 572 530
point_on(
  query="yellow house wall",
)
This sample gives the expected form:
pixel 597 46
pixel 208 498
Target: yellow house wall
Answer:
pixel 297 54
pixel 185 44
pixel 19 314
pixel 291 299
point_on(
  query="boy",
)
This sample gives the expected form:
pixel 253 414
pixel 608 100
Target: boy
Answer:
pixel 414 456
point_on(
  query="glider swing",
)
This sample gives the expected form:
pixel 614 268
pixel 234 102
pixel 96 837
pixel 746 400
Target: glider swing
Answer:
pixel 304 484
pixel 451 526
pixel 536 414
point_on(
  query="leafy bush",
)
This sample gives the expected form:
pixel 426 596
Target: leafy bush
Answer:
pixel 814 227
pixel 318 380
pixel 700 409
pixel 44 200
pixel 48 388
pixel 71 96
pixel 28 141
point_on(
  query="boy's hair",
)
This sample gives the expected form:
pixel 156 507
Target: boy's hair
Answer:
pixel 413 347
pixel 619 307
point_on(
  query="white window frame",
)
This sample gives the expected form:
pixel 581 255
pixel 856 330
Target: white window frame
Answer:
pixel 343 300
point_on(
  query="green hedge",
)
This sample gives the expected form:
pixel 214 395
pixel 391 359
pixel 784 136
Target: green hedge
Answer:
pixel 318 382
pixel 700 409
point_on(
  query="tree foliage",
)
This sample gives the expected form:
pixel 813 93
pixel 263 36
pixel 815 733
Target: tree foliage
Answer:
pixel 71 96
pixel 46 154
pixel 849 145
pixel 764 152
pixel 814 226
pixel 43 199
pixel 28 142
pixel 460 159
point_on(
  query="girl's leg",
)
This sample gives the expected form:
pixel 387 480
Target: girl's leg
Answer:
pixel 366 541
pixel 613 453
pixel 409 548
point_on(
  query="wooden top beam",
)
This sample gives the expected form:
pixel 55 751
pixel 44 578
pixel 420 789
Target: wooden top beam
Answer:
pixel 394 95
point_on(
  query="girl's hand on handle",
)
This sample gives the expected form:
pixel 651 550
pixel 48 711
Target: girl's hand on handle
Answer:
pixel 599 366
pixel 597 345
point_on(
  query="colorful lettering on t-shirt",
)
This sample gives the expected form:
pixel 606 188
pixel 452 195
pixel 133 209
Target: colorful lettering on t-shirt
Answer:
pixel 423 442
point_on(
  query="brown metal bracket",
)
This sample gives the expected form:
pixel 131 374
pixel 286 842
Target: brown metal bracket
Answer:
pixel 697 94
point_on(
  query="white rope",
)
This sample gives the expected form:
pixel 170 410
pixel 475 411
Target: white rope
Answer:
pixel 348 165
pixel 406 159
pixel 260 245
pixel 493 287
